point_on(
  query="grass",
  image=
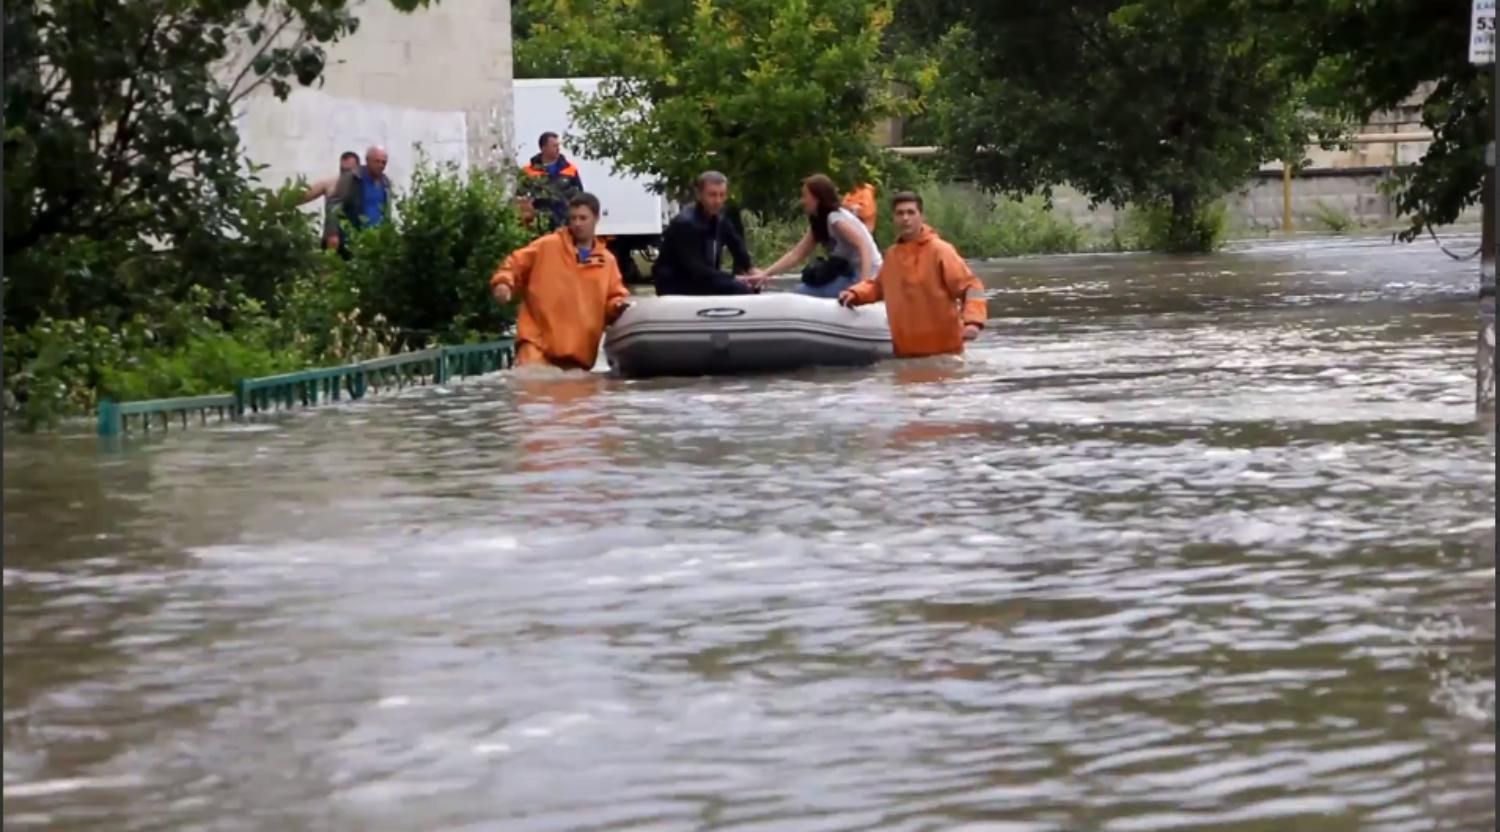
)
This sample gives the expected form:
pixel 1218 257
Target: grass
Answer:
pixel 1332 218
pixel 978 225
pixel 982 226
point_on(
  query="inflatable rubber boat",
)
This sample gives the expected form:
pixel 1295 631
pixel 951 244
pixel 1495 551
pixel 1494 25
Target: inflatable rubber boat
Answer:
pixel 693 336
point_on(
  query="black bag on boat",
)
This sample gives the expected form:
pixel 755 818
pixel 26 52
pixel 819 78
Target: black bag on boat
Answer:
pixel 825 270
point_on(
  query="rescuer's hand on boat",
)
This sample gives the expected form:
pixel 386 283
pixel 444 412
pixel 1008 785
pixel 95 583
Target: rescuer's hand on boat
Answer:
pixel 846 298
pixel 971 332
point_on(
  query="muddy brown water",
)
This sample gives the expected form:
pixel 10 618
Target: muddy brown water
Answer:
pixel 1185 544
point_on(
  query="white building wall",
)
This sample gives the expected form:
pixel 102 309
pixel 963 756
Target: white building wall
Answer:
pixel 439 77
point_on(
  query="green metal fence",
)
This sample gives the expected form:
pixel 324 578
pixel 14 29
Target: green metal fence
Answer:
pixel 308 388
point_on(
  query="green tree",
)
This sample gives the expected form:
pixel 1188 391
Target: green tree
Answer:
pixel 1169 104
pixel 1366 58
pixel 767 91
pixel 427 271
pixel 589 38
pixel 119 113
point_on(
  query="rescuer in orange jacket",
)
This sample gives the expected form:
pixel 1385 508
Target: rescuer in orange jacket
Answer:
pixel 570 289
pixel 861 203
pixel 932 299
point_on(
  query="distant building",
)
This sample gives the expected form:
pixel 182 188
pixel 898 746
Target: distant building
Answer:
pixel 439 77
pixel 1381 143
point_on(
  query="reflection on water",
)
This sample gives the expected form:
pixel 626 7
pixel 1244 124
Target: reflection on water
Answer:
pixel 1182 543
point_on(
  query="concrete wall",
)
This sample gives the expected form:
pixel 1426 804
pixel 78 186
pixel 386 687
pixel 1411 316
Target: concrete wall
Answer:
pixel 1351 192
pixel 440 77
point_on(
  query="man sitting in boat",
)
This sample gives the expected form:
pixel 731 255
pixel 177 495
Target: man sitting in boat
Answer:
pixel 932 299
pixel 851 252
pixel 570 289
pixel 694 242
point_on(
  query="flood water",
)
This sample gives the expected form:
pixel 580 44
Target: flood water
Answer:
pixel 1184 544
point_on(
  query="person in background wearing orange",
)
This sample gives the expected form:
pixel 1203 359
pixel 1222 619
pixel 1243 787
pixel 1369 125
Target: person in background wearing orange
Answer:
pixel 861 203
pixel 932 299
pixel 570 289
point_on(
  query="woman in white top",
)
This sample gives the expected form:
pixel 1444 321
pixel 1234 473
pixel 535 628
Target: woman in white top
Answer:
pixel 851 255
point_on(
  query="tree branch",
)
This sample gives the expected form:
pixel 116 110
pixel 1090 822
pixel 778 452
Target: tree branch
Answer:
pixel 231 95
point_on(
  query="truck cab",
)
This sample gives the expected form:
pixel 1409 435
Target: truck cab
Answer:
pixel 631 215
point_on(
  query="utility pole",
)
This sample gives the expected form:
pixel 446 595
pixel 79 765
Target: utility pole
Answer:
pixel 1286 196
pixel 1484 354
pixel 1482 53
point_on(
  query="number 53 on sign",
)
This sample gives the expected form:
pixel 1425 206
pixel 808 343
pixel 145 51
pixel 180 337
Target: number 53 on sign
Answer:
pixel 1482 33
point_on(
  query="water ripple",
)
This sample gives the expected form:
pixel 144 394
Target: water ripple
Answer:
pixel 1181 544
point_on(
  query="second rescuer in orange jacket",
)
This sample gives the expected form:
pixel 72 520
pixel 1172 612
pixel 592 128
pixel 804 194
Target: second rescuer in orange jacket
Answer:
pixel 932 299
pixel 570 289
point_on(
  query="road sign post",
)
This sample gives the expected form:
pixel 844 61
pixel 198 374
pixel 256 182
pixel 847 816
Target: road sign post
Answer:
pixel 1482 52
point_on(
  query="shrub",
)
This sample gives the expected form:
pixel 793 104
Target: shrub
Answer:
pixel 131 320
pixel 981 225
pixel 768 239
pixel 210 362
pixel 54 368
pixel 61 367
pixel 322 318
pixel 1333 218
pixel 427 271
pixel 196 347
pixel 1150 228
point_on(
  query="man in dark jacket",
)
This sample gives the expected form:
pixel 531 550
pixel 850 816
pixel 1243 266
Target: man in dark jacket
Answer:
pixel 553 180
pixel 363 197
pixel 694 242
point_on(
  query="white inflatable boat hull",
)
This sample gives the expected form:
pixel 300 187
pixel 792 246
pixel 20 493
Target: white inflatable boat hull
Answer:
pixel 694 336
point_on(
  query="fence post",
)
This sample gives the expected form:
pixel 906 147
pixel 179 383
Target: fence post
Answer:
pixel 241 398
pixel 109 418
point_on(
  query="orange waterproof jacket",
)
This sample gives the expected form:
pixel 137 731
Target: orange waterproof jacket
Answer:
pixel 861 203
pixel 565 304
pixel 930 294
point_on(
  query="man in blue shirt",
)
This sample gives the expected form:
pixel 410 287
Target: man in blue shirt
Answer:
pixel 363 197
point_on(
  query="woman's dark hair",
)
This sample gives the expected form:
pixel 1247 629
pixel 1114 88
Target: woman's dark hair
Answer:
pixel 823 190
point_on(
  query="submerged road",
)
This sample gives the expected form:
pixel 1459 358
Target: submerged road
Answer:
pixel 1183 544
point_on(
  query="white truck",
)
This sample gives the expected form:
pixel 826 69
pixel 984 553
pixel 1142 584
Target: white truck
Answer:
pixel 631 215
